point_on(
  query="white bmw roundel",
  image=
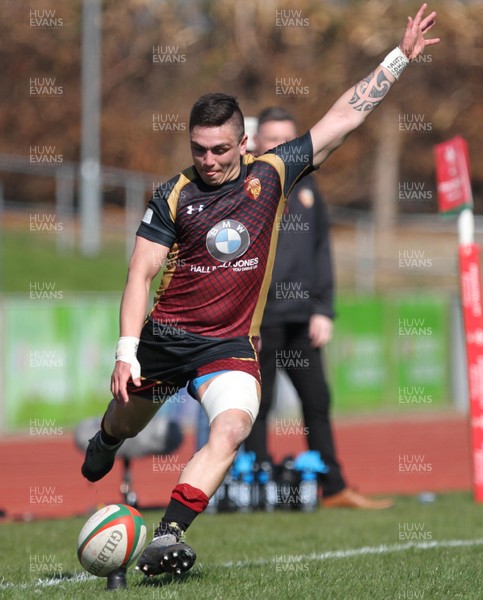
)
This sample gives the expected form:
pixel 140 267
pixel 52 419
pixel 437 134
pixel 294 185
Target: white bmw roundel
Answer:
pixel 227 240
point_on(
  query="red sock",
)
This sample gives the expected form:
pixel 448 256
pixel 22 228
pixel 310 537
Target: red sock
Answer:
pixel 190 496
pixel 186 503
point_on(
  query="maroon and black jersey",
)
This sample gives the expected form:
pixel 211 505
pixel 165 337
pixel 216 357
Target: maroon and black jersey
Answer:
pixel 222 242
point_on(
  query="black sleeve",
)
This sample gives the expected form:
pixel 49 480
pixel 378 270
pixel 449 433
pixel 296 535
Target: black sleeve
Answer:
pixel 158 223
pixel 297 156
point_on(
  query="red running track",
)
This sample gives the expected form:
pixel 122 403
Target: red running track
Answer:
pixel 40 476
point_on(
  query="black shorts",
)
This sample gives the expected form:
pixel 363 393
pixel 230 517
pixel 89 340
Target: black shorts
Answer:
pixel 170 357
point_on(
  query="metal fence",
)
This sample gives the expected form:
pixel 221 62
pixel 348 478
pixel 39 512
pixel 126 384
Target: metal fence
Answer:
pixel 419 251
pixel 134 187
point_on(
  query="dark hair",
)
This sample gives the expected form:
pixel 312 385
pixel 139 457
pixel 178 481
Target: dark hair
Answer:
pixel 213 110
pixel 274 113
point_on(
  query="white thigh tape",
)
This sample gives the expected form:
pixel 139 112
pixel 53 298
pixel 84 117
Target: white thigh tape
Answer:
pixel 234 389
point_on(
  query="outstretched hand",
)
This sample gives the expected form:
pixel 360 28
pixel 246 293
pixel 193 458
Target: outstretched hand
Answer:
pixel 413 41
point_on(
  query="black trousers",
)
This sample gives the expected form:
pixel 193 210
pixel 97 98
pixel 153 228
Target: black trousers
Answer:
pixel 287 346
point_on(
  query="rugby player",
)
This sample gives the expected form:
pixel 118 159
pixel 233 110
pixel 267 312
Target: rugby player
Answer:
pixel 213 230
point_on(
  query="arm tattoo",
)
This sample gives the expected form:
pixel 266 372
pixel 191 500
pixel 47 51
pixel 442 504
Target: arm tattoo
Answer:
pixel 369 93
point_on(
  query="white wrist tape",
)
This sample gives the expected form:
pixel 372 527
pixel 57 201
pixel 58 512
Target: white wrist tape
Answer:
pixel 126 349
pixel 395 62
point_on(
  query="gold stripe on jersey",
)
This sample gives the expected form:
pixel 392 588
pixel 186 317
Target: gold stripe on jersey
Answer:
pixel 255 350
pixel 277 162
pixel 271 159
pixel 168 272
pixel 185 177
pixel 256 321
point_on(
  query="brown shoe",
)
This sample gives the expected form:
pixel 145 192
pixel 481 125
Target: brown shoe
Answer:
pixel 348 498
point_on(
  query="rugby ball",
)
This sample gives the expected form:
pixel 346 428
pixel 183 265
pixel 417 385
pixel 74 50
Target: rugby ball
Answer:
pixel 113 537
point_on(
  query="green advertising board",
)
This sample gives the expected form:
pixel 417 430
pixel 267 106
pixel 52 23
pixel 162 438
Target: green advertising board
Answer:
pixel 57 356
pixel 57 359
pixel 419 330
pixel 356 357
pixel 390 352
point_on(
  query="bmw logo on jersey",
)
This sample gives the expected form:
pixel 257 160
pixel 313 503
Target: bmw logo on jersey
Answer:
pixel 227 240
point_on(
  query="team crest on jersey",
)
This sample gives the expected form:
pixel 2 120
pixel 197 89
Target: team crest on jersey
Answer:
pixel 227 240
pixel 253 187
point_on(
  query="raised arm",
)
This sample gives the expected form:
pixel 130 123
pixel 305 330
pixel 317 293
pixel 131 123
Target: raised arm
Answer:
pixel 353 107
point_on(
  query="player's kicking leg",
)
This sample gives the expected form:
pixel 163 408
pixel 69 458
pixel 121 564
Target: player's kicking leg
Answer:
pixel 119 423
pixel 231 401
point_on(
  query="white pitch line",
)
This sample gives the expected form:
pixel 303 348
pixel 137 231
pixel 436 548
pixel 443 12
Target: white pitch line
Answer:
pixel 365 550
pixel 40 583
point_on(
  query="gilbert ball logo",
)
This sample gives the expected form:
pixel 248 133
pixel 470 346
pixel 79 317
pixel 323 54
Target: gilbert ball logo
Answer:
pixel 227 240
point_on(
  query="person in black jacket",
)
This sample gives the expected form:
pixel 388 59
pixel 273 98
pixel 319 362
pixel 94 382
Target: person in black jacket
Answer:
pixel 298 317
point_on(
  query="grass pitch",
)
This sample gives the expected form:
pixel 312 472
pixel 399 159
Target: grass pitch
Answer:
pixel 431 551
pixel 40 261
